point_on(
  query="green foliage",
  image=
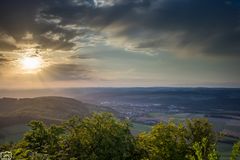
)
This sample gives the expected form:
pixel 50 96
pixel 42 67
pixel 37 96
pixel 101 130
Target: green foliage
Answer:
pixel 103 137
pixel 194 140
pixel 235 151
pixel 201 139
pixel 98 137
pixel 165 142
pixel 6 147
pixel 42 139
pixel 202 152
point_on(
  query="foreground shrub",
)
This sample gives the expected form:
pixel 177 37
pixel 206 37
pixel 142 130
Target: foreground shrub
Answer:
pixel 236 151
pixel 98 137
pixel 194 139
pixel 103 137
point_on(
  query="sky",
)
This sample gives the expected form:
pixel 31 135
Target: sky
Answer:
pixel 119 43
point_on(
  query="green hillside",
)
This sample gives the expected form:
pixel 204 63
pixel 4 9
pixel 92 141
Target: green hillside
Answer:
pixel 16 113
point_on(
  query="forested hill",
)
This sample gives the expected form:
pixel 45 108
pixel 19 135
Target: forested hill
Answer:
pixel 49 109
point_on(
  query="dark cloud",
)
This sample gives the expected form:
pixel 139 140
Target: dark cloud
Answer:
pixel 55 44
pixel 81 56
pixel 4 60
pixel 17 16
pixel 21 17
pixel 7 47
pixel 67 72
pixel 208 27
pixel 189 26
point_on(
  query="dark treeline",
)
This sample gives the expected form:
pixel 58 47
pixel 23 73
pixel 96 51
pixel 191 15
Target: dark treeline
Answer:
pixel 103 137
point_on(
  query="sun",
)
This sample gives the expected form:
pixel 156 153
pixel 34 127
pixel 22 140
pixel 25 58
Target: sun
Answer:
pixel 31 64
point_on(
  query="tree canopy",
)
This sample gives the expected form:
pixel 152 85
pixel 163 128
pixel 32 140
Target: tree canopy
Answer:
pixel 103 137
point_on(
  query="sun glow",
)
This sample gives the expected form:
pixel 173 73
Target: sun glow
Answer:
pixel 31 64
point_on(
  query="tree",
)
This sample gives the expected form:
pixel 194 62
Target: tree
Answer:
pixel 165 142
pixel 100 136
pixel 103 137
pixel 42 139
pixel 200 149
pixel 194 139
pixel 235 151
pixel 200 137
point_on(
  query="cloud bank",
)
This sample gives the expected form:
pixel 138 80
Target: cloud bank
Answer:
pixel 188 26
pixel 192 27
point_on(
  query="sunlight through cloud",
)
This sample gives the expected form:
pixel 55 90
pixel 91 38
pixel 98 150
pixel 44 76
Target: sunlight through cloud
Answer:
pixel 31 64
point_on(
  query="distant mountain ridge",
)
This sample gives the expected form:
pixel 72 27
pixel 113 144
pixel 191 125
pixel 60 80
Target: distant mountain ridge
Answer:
pixel 48 109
